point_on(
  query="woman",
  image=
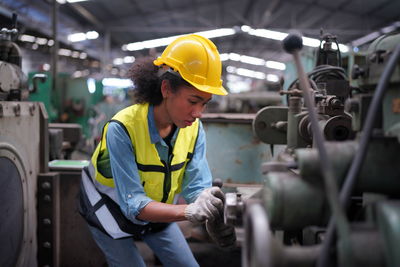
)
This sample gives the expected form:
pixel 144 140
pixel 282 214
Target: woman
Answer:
pixel 150 152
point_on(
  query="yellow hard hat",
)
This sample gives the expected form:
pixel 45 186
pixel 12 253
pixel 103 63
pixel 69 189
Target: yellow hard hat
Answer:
pixel 197 60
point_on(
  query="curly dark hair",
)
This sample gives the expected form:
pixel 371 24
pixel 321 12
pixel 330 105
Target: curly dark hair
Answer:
pixel 144 75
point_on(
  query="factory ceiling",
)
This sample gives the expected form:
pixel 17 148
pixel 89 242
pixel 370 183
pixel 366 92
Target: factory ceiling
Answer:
pixel 120 22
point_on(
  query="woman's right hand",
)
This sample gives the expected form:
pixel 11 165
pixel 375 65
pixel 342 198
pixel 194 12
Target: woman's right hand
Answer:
pixel 208 206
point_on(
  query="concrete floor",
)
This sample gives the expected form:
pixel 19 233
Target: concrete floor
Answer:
pixel 206 254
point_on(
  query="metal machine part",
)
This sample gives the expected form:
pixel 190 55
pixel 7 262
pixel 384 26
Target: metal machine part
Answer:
pixel 11 212
pixel 65 137
pixel 19 170
pixel 12 79
pixel 293 213
pixel 39 224
pixel 291 125
pixel 262 248
pixel 233 209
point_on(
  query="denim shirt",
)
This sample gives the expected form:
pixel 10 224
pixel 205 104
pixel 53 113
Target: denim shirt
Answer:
pixel 130 193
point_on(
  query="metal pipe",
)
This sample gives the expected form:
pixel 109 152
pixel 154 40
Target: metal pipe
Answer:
pixel 106 54
pixel 293 44
pixel 54 57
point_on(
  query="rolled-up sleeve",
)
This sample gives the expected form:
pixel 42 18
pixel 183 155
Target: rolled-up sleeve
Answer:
pixel 197 174
pixel 131 196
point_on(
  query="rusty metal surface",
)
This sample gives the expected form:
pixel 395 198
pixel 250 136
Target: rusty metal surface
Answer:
pixel 233 152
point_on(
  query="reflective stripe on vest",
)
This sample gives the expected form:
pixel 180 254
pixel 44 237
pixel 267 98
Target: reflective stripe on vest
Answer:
pixel 161 180
pixel 104 216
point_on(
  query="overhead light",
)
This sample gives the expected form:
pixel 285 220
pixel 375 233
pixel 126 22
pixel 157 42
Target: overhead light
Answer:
pixel 91 84
pixel 133 46
pixel 81 36
pixel 69 1
pixel 167 40
pixel 83 55
pixel 75 54
pixel 232 78
pixel 77 37
pixel 252 60
pixel 343 48
pixel 250 73
pixel 231 69
pixel 41 41
pixel 216 33
pixel 245 28
pixel 150 43
pixel 27 38
pixel 246 72
pixel 118 61
pixel 64 52
pixel 275 65
pixel 272 78
pixel 224 56
pixel 129 59
pixel 50 42
pixel 245 59
pixel 275 35
pixel 234 56
pixel 238 84
pixel 312 42
pixel 77 74
pixel 92 35
pixel 268 34
pixel 46 66
pixel 74 1
pixel 115 82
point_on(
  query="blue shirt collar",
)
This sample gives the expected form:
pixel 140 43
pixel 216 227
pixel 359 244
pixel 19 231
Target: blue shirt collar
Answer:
pixel 154 135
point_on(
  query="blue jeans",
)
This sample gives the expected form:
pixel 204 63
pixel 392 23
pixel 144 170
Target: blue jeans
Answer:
pixel 169 245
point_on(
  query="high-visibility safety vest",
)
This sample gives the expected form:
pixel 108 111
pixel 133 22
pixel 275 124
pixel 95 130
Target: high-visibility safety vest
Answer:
pixel 161 180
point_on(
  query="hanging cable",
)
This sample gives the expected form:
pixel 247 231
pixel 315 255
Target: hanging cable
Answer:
pixel 355 167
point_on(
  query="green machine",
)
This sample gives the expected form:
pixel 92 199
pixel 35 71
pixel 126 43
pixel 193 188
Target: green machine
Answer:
pixel 299 218
pixel 70 101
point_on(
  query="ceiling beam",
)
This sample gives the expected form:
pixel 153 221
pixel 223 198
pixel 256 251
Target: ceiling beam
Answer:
pixel 266 17
pixel 87 15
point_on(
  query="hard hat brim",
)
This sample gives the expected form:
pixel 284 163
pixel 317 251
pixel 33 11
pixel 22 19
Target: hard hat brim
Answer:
pixel 215 90
pixel 208 89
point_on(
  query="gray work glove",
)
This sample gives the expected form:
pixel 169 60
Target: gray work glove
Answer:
pixel 209 205
pixel 222 234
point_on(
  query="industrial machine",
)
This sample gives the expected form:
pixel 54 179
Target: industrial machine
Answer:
pixel 331 197
pixel 39 222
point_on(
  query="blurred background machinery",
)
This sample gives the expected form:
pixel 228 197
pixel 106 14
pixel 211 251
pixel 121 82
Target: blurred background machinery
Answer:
pixel 39 224
pixel 302 218
pixel 278 179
